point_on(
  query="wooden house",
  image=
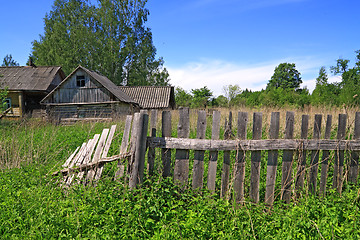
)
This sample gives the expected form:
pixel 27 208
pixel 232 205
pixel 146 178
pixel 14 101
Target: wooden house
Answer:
pixel 152 97
pixel 26 86
pixel 87 94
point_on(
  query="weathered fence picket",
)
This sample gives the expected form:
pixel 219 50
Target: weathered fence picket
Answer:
pixel 239 172
pixel 339 155
pixel 166 153
pixel 226 159
pixel 287 162
pixel 181 167
pixel 302 155
pixel 325 157
pixel 272 159
pixel 198 167
pixel 215 133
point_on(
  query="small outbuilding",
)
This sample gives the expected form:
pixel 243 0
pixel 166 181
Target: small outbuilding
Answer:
pixel 26 86
pixel 87 94
pixel 152 97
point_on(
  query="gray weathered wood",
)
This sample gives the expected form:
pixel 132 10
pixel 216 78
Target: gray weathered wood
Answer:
pixel 137 173
pixel 256 159
pixel 325 157
pixel 79 155
pixel 97 155
pixel 151 151
pixel 314 164
pixel 105 151
pixel 300 175
pixel 85 167
pixel 123 147
pixel 287 163
pixel 198 167
pixel 354 160
pixel 254 145
pixel 134 131
pixel 339 155
pixel 226 159
pixel 181 167
pixel 67 162
pixel 213 154
pixel 166 153
pixel 239 168
pixel 272 160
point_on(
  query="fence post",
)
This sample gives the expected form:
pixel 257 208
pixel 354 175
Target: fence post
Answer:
pixel 354 160
pixel 166 153
pixel 315 155
pixel 256 159
pixel 300 175
pixel 339 155
pixel 181 167
pixel 151 152
pixel 213 154
pixel 123 147
pixel 239 169
pixel 287 160
pixel 325 157
pixel 137 173
pixel 272 160
pixel 198 167
pixel 226 161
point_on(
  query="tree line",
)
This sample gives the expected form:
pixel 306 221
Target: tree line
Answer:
pixel 283 89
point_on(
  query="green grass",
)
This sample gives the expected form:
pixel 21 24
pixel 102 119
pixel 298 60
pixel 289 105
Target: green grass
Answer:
pixel 33 206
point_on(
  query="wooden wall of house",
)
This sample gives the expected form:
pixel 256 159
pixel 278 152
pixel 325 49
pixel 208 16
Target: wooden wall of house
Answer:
pixel 107 110
pixel 69 92
pixel 15 104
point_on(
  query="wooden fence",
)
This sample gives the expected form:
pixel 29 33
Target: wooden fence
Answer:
pixel 294 154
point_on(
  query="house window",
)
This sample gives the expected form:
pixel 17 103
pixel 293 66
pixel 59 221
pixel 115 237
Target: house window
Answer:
pixel 7 103
pixel 80 81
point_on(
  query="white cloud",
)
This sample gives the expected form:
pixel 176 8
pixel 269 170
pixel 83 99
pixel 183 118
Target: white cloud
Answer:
pixel 217 73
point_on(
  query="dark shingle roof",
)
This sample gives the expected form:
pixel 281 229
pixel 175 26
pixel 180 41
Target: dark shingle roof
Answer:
pixel 29 78
pixel 151 97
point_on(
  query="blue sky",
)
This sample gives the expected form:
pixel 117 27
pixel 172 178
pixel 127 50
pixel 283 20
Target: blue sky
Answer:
pixel 221 42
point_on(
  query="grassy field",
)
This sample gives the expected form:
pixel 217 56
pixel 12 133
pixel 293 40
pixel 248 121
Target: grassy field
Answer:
pixel 33 206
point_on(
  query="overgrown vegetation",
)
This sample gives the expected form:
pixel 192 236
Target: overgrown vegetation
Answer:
pixel 283 89
pixel 32 205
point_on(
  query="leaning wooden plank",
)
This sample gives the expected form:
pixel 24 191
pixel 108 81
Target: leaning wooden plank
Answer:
pixel 123 147
pixel 74 160
pixel 181 167
pixel 91 173
pixel 105 152
pixel 87 159
pixel 254 145
pixel 287 163
pixel 314 165
pixel 198 167
pixel 67 162
pixel 239 168
pixel 213 154
pixel 339 155
pixel 79 161
pixel 354 160
pixel 256 159
pixel 134 131
pixel 272 160
pixel 325 158
pixel 88 166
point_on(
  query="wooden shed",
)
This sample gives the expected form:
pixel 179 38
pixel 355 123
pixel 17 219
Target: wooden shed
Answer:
pixel 26 86
pixel 152 97
pixel 87 94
